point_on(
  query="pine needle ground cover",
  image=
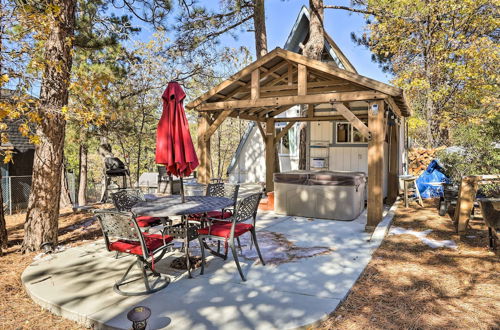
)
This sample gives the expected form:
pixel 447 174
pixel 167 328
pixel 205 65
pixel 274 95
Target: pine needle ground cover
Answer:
pixel 407 285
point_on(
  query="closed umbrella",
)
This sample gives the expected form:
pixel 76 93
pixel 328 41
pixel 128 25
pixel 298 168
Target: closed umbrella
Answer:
pixel 174 147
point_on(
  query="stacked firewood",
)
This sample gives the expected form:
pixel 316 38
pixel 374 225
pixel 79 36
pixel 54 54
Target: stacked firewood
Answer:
pixel 420 158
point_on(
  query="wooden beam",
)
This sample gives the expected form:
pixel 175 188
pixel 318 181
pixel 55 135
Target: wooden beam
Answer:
pixel 465 202
pixel 310 110
pixel 283 132
pixel 310 85
pixel 351 118
pixel 310 91
pixel 302 80
pixel 203 151
pixel 247 70
pixel 292 100
pixel 290 74
pixel 255 89
pixel 247 88
pixel 264 112
pixel 375 164
pixel 217 122
pixel 235 114
pixel 340 73
pixel 394 107
pixel 316 118
pixel 270 154
pixel 271 73
pixel 262 132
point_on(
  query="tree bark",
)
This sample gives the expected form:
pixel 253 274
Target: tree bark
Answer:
pixel 105 150
pixel 43 207
pixel 65 193
pixel 312 49
pixel 259 22
pixel 314 46
pixel 82 175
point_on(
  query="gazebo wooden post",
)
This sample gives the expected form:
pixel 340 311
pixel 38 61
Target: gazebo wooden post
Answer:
pixel 203 150
pixel 270 135
pixel 375 164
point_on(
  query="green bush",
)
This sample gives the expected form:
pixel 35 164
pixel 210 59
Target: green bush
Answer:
pixel 479 154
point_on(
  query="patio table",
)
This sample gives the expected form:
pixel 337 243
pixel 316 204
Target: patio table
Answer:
pixel 163 207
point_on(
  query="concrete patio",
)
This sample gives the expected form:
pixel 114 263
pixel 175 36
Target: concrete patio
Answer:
pixel 312 264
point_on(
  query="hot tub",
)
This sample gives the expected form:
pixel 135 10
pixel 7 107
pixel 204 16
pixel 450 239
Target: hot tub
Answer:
pixel 323 194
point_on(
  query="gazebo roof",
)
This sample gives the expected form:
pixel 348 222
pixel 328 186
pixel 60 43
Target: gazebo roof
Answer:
pixel 283 79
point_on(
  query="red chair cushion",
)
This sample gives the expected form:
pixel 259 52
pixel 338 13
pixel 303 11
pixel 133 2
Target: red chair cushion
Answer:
pixel 146 221
pixel 153 241
pixel 224 229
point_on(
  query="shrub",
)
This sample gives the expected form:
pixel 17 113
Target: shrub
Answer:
pixel 478 152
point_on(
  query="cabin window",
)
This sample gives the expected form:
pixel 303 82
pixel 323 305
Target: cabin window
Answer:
pixel 346 133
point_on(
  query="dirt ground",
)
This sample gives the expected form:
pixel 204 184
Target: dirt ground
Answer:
pixel 407 285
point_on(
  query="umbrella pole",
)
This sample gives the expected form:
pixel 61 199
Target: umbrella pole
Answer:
pixel 182 190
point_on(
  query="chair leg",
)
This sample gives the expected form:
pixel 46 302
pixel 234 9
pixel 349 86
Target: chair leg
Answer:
pixel 235 256
pixel 239 244
pixel 418 194
pixel 406 193
pixel 254 237
pixel 144 274
pixel 202 247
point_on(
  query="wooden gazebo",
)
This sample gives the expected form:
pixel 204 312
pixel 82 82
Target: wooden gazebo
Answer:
pixel 281 79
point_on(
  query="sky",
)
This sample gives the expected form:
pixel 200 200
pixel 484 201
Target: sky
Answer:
pixel 280 17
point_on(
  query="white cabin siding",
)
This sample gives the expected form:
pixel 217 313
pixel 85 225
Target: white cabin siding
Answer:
pixel 251 165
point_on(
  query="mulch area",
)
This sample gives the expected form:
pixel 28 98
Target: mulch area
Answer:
pixel 409 285
pixel 17 310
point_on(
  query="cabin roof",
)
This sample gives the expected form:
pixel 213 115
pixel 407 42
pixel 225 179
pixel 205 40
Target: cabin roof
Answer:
pixel 300 33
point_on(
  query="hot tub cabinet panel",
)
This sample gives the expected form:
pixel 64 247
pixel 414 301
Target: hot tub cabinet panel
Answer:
pixel 325 194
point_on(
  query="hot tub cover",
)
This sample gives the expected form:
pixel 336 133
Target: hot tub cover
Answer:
pixel 321 178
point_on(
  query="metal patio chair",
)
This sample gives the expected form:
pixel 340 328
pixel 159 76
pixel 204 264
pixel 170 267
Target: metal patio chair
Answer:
pixel 218 190
pixel 122 234
pixel 227 231
pixel 125 199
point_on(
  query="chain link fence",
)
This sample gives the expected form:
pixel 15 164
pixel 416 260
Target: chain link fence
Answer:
pixel 16 191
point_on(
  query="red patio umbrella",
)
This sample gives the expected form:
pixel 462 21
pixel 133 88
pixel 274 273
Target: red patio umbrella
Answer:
pixel 174 147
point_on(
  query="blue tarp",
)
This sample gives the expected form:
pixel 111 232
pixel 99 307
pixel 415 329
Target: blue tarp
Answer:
pixel 433 174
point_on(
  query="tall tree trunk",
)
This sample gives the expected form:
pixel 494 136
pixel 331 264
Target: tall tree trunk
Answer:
pixel 65 200
pixel 429 118
pixel 314 46
pixel 139 147
pixel 43 206
pixel 82 175
pixel 312 49
pixel 259 22
pixel 105 150
pixel 3 225
pixel 219 154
